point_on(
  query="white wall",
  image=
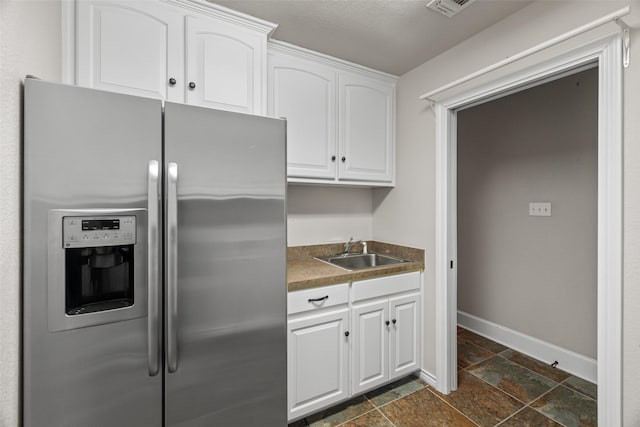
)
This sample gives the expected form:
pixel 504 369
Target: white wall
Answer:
pixel 534 275
pixel 29 44
pixel 409 208
pixel 319 215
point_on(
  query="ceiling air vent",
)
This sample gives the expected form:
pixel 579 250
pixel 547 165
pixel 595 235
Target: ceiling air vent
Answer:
pixel 448 7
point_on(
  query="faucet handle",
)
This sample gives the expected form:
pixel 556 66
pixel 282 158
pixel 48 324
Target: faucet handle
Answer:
pixel 364 247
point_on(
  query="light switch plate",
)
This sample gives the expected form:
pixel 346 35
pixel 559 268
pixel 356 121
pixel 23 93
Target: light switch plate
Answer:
pixel 540 209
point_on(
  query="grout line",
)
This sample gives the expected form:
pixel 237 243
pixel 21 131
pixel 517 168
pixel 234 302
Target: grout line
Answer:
pixel 385 417
pixel 531 370
pixel 577 391
pixel 512 415
pixel 454 408
pixel 502 391
pixel 540 412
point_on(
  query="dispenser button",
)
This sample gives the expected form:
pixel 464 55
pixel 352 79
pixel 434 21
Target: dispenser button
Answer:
pixel 72 238
pixel 106 237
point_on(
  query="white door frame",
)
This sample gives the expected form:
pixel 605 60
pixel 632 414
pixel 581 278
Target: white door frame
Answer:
pixel 607 53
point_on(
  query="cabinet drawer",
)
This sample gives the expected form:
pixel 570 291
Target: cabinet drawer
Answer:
pixel 381 286
pixel 325 296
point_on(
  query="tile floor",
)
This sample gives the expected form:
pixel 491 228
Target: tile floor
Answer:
pixel 497 386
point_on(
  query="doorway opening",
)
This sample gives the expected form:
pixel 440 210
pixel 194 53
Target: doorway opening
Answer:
pixel 606 55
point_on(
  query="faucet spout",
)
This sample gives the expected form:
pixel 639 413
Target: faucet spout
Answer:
pixel 347 246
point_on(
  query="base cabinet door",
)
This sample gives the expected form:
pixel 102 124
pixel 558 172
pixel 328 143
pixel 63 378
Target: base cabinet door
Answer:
pixel 318 361
pixel 370 345
pixel 404 335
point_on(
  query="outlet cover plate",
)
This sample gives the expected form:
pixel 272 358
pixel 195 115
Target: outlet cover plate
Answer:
pixel 540 209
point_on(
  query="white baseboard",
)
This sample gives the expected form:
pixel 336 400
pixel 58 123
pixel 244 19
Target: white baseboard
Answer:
pixel 427 377
pixel 569 361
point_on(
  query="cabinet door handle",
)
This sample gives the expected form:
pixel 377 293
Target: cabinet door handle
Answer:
pixel 192 85
pixel 393 321
pixel 333 158
pixel 344 159
pixel 172 81
pixel 386 322
pixel 318 299
pixel 346 334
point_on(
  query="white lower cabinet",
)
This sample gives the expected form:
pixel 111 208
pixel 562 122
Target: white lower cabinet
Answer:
pixel 317 349
pixel 346 339
pixel 386 343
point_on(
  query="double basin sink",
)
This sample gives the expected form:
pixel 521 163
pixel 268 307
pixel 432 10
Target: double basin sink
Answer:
pixel 352 262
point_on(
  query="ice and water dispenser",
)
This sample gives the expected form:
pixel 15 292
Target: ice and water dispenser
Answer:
pixel 96 267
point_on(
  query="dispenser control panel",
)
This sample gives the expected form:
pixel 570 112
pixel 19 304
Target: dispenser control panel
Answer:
pixel 95 231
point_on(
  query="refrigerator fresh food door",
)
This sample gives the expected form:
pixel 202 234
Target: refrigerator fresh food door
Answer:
pixel 225 251
pixel 86 360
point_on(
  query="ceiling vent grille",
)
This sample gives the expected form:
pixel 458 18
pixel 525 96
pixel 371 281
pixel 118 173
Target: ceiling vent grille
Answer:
pixel 448 7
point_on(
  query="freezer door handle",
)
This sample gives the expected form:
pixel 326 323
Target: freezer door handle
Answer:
pixel 172 267
pixel 153 267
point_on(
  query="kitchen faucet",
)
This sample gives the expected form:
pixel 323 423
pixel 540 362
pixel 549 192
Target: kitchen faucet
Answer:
pixel 349 244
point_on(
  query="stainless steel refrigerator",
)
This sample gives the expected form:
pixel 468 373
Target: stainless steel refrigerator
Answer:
pixel 154 262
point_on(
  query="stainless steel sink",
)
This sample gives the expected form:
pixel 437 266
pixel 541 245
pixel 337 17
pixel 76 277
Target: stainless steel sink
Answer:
pixel 360 261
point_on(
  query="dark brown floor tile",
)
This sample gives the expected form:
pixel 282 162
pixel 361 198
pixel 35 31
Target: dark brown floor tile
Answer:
pixel 512 378
pixel 583 386
pixel 481 341
pixel 470 354
pixel 483 403
pixel 423 409
pixel 370 419
pixel 568 407
pixel 299 423
pixel 529 418
pixel 395 390
pixel 460 329
pixel 555 374
pixel 340 413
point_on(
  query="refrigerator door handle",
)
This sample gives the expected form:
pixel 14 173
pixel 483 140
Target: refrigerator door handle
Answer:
pixel 153 266
pixel 172 267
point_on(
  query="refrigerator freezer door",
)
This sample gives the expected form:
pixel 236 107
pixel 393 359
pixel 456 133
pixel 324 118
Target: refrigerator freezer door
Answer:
pixel 86 149
pixel 230 357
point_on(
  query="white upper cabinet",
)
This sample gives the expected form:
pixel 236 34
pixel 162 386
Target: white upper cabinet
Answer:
pixel 225 65
pixel 130 47
pixel 179 50
pixel 340 117
pixel 305 94
pixel 366 129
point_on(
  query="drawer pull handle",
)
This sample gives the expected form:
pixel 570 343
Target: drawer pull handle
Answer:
pixel 386 322
pixel 319 299
pixel 394 321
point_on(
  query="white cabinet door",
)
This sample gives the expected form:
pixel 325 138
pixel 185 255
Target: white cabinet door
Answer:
pixel 317 361
pixel 370 345
pixel 404 338
pixel 366 129
pixel 132 47
pixel 305 94
pixel 225 66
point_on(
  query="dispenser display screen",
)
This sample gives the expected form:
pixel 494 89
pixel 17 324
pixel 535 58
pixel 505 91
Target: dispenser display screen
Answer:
pixel 100 224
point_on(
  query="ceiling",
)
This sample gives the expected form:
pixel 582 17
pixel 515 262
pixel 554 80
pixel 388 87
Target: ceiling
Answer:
pixel 393 36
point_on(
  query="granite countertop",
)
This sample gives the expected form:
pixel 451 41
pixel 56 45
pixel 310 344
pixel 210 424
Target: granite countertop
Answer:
pixel 305 272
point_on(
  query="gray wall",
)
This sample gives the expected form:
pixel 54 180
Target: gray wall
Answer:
pixel 535 275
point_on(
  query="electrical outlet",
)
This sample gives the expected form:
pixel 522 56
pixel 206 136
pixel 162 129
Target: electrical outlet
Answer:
pixel 540 209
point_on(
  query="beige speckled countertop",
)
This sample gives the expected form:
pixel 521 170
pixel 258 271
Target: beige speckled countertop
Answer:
pixel 305 272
